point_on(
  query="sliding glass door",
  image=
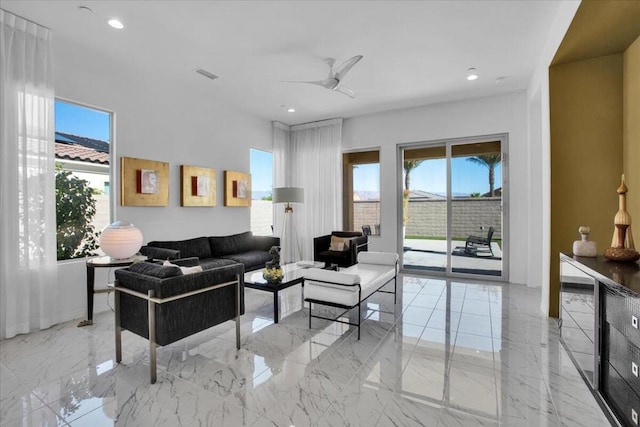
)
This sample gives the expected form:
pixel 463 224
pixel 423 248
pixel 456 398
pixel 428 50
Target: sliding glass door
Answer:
pixel 453 199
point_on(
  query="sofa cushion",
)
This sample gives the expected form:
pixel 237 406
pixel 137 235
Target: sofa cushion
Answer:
pixel 211 263
pixel 222 245
pixel 198 247
pixel 252 260
pixel 156 270
pixel 380 258
pixel 244 241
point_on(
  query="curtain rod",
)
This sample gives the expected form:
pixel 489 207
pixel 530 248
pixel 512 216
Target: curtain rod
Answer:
pixel 26 19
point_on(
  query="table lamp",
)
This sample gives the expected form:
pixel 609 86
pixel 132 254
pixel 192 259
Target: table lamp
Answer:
pixel 120 240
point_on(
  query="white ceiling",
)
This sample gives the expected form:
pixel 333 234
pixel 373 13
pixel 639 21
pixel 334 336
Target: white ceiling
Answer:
pixel 415 52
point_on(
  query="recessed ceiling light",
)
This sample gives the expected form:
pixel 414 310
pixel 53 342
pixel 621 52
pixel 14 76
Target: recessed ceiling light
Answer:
pixel 291 110
pixel 85 9
pixel 115 23
pixel 500 80
pixel 472 74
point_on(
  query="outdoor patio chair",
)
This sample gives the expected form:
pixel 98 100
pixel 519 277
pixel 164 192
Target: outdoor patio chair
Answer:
pixel 476 244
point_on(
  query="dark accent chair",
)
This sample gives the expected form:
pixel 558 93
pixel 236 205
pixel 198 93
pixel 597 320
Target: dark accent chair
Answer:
pixel 323 253
pixel 161 304
pixel 475 244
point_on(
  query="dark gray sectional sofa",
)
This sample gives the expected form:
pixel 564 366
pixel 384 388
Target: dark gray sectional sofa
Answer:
pixel 217 251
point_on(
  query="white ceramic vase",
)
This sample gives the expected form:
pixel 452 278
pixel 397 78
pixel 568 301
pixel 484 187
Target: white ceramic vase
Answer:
pixel 585 247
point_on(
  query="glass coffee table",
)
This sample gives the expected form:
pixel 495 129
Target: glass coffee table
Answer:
pixel 293 274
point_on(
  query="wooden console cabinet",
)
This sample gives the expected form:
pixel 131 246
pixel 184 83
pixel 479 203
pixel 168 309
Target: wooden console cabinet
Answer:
pixel 600 327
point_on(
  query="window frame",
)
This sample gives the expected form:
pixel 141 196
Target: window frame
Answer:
pixel 112 156
pixel 349 160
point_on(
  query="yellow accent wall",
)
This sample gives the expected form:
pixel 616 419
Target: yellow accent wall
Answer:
pixel 631 135
pixel 586 154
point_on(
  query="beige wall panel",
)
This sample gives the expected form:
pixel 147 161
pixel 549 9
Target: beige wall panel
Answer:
pixel 586 154
pixel 631 145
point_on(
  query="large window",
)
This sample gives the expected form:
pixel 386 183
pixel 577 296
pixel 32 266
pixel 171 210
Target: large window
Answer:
pixel 83 141
pixel 453 207
pixel 361 176
pixel 262 186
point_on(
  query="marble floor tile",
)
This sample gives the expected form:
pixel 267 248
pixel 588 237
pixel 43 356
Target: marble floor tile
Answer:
pixel 447 353
pixel 16 400
pixel 454 417
pixel 475 325
pixel 443 319
pixel 359 404
pixel 407 410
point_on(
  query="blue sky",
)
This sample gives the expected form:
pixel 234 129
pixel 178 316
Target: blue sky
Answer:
pixel 466 177
pixel 81 121
pixel 261 170
pixel 430 176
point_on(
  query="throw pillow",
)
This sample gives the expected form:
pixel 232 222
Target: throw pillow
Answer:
pixel 191 270
pixel 337 247
pixel 185 270
pixel 340 243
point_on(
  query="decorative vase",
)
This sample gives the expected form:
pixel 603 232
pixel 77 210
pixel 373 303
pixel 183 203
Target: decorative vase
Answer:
pixel 622 248
pixel 584 246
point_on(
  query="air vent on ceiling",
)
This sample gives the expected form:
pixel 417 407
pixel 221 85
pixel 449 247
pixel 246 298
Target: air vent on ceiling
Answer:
pixel 206 73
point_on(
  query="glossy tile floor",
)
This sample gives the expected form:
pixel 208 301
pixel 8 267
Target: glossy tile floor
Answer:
pixel 453 354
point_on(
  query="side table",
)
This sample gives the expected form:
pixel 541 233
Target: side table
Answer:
pixel 102 262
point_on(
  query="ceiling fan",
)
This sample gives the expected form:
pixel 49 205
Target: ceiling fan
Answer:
pixel 335 76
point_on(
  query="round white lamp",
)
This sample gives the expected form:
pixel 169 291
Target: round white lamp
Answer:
pixel 121 240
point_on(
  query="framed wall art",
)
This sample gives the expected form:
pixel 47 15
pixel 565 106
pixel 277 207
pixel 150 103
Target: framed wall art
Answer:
pixel 197 186
pixel 237 188
pixel 143 182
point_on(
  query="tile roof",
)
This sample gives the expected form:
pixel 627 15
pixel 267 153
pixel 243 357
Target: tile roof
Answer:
pixel 73 147
pixel 83 154
pixel 96 144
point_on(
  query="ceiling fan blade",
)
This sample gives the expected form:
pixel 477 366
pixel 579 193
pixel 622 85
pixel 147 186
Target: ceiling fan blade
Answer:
pixel 330 62
pixel 346 66
pixel 326 83
pixel 345 90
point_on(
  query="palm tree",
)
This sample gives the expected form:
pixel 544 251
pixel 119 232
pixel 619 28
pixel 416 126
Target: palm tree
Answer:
pixel 489 161
pixel 409 165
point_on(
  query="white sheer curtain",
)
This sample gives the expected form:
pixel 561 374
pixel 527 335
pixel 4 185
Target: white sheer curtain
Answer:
pixel 28 266
pixel 309 156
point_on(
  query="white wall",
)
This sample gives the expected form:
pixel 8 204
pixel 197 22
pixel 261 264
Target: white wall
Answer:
pixel 539 143
pixel 178 121
pixel 475 117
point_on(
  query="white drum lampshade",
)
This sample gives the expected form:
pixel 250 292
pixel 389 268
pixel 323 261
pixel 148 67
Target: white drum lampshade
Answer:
pixel 121 240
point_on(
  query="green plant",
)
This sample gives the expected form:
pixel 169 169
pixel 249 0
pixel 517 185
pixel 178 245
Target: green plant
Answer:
pixel 475 195
pixel 269 197
pixel 75 208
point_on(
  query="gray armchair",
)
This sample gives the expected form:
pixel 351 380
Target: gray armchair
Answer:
pixel 161 304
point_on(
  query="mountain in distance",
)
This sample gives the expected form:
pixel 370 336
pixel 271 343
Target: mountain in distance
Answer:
pixel 258 195
pixel 366 195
